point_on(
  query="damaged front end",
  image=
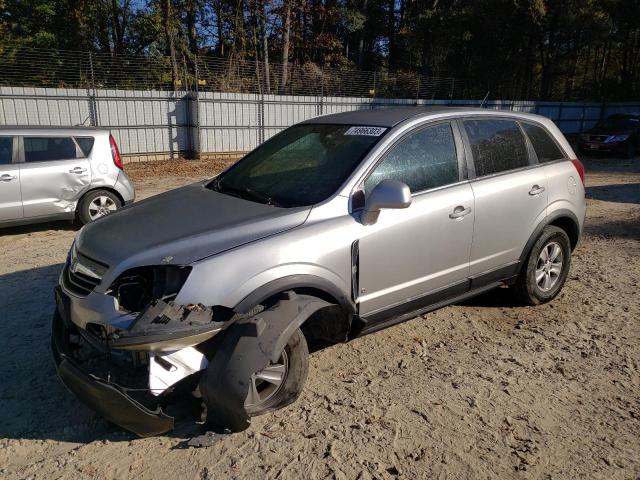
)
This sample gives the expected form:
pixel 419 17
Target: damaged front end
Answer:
pixel 133 364
pixel 132 352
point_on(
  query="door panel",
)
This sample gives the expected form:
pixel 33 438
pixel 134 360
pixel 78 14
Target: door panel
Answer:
pixel 52 178
pixel 412 252
pixel 10 199
pixel 50 188
pixel 508 208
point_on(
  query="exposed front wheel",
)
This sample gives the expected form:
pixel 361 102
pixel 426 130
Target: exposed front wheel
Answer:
pixel 546 269
pixel 281 382
pixel 97 204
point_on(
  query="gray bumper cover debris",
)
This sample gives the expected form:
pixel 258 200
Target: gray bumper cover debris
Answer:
pixel 247 347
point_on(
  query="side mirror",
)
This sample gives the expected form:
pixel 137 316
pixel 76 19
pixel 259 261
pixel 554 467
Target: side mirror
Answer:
pixel 387 194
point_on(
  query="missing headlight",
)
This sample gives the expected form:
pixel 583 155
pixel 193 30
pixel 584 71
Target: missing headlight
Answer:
pixel 137 287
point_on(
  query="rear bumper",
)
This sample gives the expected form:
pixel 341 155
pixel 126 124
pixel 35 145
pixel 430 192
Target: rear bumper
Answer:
pixel 107 398
pixel 124 187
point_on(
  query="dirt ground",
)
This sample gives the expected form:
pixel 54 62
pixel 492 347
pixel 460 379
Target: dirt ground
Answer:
pixel 487 389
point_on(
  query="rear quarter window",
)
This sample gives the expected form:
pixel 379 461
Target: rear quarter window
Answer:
pixel 496 145
pixel 42 149
pixel 545 147
pixel 85 144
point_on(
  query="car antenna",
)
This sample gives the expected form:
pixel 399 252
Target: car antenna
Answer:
pixel 484 99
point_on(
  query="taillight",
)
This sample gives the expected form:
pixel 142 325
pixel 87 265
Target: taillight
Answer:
pixel 115 153
pixel 580 168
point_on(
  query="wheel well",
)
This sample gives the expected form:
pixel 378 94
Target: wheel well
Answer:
pixel 325 327
pixel 108 189
pixel 570 227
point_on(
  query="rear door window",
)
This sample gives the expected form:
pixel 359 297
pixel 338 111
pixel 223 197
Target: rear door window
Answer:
pixel 85 144
pixel 423 159
pixel 42 149
pixel 6 150
pixel 546 149
pixel 497 145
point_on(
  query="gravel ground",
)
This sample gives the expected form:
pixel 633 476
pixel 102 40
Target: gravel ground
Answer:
pixel 486 389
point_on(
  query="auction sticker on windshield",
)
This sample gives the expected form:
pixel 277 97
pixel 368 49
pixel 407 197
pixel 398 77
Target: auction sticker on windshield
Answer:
pixel 369 131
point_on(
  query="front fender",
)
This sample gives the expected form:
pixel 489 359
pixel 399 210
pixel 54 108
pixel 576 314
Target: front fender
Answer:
pixel 242 291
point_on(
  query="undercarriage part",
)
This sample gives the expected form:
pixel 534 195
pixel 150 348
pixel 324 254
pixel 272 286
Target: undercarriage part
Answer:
pixel 246 348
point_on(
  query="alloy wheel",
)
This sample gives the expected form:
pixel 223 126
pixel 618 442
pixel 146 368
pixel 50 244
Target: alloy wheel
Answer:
pixel 549 266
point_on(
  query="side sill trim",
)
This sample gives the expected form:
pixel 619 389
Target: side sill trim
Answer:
pixel 421 311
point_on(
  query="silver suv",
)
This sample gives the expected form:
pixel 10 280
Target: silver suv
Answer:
pixel 336 227
pixel 59 173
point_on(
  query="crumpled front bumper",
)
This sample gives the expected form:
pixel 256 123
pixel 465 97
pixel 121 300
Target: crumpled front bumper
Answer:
pixel 107 398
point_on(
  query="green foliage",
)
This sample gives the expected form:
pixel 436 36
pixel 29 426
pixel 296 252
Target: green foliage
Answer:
pixel 520 49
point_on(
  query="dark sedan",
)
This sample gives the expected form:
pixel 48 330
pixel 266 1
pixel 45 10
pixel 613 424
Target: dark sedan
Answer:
pixel 618 134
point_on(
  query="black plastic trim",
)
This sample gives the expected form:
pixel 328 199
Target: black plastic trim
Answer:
pixel 562 213
pixel 496 275
pixel 396 313
pixel 292 282
pixel 369 327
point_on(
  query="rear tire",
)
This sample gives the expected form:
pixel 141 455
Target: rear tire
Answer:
pixel 545 271
pixel 97 204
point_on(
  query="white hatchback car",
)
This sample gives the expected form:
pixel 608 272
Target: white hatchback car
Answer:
pixel 60 173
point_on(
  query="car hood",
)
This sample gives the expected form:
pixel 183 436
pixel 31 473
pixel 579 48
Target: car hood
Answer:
pixel 182 226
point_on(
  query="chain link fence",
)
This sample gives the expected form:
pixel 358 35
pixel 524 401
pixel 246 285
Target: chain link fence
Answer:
pixel 210 106
pixel 29 67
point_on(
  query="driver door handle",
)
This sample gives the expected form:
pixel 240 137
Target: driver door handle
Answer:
pixel 7 178
pixel 78 170
pixel 459 212
pixel 536 190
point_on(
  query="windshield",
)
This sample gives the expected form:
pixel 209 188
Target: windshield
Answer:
pixel 619 122
pixel 303 165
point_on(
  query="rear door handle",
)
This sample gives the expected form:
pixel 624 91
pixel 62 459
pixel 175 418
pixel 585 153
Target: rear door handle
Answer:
pixel 536 190
pixel 78 170
pixel 7 178
pixel 460 212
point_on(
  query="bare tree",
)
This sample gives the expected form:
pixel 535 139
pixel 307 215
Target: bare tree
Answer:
pixel 168 33
pixel 286 34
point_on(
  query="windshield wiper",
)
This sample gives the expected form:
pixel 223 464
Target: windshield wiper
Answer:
pixel 261 197
pixel 243 192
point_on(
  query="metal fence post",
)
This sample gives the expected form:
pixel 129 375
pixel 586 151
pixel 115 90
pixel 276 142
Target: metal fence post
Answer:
pixel 320 109
pixel 195 114
pixel 261 119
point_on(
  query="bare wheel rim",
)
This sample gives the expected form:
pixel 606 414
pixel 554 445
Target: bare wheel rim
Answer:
pixel 549 266
pixel 101 206
pixel 266 383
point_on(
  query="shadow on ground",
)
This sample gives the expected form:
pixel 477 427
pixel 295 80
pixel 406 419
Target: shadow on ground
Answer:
pixel 39 227
pixel 620 193
pixel 33 401
pixel 600 164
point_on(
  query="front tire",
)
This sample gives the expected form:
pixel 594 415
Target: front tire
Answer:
pixel 280 383
pixel 544 273
pixel 97 204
